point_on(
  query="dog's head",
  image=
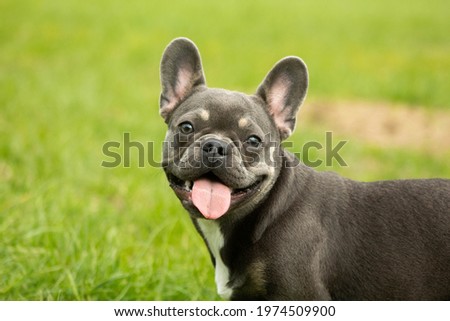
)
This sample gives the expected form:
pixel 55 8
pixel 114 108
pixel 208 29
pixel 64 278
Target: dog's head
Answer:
pixel 222 148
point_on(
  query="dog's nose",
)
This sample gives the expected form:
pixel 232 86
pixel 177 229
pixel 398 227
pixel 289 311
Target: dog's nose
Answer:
pixel 214 149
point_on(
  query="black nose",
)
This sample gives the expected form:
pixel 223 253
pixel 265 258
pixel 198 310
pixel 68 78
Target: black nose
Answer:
pixel 214 150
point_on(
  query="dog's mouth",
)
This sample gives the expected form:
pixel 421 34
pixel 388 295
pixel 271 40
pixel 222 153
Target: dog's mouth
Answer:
pixel 210 195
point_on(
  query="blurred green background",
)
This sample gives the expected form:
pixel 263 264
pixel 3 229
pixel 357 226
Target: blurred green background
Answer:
pixel 75 75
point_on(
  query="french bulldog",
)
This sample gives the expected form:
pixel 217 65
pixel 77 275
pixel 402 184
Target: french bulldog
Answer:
pixel 277 229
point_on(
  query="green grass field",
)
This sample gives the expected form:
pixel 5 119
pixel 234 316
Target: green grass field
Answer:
pixel 75 75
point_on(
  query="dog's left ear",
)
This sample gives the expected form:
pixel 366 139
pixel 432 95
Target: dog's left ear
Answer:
pixel 181 72
pixel 283 90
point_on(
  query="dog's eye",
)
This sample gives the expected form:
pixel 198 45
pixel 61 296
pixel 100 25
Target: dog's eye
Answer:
pixel 186 128
pixel 254 141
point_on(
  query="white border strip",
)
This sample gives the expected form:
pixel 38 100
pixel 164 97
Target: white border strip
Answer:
pixel 166 310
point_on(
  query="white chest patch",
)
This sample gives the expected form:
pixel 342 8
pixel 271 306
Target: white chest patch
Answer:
pixel 214 238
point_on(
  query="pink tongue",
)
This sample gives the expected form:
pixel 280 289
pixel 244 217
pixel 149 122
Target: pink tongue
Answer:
pixel 211 198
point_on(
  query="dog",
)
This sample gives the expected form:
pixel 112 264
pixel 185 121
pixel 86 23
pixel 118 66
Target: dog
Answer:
pixel 277 229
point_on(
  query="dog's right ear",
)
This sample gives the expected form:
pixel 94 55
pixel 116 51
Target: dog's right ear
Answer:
pixel 181 72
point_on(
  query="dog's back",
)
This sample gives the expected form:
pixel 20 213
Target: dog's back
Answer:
pixel 397 241
pixel 387 240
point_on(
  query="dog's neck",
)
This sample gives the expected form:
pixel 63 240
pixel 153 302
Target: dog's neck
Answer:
pixel 225 237
pixel 291 174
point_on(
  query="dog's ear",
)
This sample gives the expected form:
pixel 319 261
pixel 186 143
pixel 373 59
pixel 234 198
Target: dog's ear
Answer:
pixel 283 90
pixel 181 72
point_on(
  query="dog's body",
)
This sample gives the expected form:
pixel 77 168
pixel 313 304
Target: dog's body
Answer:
pixel 277 229
pixel 313 238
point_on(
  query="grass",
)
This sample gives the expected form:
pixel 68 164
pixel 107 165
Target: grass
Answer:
pixel 74 75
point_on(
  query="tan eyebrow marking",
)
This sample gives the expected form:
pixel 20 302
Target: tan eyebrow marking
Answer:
pixel 243 122
pixel 204 114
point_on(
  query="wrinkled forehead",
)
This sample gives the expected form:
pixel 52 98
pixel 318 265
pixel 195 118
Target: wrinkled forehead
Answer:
pixel 222 108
